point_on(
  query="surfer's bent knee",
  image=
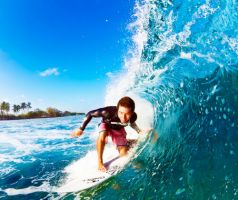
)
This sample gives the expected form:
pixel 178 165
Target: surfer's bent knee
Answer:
pixel 122 150
pixel 102 136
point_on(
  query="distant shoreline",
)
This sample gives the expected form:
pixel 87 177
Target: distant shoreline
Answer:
pixel 13 117
pixel 35 114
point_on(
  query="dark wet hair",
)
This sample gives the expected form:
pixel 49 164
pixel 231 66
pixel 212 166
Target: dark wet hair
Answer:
pixel 126 102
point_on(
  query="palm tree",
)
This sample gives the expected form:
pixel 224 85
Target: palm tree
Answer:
pixel 23 106
pixel 28 105
pixel 16 108
pixel 2 107
pixel 7 107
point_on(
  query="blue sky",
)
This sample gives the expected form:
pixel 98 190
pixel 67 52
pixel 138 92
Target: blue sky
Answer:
pixel 59 53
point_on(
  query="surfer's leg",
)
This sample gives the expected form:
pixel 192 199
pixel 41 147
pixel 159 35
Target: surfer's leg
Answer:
pixel 100 148
pixel 122 150
pixel 131 143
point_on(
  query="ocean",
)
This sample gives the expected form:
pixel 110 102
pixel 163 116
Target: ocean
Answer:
pixel 182 71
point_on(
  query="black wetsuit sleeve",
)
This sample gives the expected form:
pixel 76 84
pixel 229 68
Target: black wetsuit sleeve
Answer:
pixel 135 127
pixel 101 112
pixel 133 123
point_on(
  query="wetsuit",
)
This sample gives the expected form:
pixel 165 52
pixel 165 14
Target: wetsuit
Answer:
pixel 109 116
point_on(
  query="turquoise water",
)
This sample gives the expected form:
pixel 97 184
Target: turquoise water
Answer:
pixel 189 73
pixel 185 64
pixel 35 152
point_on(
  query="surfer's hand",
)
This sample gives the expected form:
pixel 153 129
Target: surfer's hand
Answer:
pixel 78 132
pixel 101 167
pixel 145 131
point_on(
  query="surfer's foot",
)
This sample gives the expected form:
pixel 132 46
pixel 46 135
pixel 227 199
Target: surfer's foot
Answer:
pixel 102 168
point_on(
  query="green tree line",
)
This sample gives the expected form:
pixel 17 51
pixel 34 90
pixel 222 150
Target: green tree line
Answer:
pixel 37 113
pixel 5 107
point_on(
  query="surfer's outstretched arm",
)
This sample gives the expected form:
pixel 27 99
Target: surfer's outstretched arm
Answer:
pixel 138 130
pixel 93 113
pixel 135 127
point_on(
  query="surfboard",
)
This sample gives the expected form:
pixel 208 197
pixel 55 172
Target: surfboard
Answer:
pixel 84 173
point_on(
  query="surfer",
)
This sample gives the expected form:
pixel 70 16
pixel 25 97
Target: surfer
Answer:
pixel 114 120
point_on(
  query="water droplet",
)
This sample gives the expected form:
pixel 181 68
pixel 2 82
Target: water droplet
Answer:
pixel 232 152
pixel 153 174
pixel 181 84
pixel 224 116
pixel 226 178
pixel 179 191
pixel 214 196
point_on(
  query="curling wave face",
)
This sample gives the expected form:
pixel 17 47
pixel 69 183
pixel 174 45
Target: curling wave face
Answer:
pixel 185 65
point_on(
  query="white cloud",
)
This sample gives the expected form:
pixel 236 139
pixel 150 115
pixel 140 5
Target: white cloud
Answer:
pixel 110 75
pixel 49 72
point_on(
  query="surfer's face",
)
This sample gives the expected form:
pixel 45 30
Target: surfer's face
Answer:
pixel 124 114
